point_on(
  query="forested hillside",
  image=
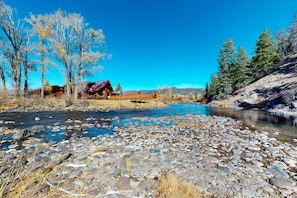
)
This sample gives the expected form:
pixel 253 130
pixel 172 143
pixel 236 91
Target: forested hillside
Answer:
pixel 275 92
pixel 237 69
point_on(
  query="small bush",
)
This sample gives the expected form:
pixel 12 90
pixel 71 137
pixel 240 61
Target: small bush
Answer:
pixel 171 186
pixel 68 102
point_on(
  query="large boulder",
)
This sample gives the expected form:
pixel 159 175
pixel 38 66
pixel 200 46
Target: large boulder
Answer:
pixel 21 134
pixel 25 133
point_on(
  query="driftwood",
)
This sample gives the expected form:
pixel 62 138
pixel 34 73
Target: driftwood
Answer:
pixel 53 164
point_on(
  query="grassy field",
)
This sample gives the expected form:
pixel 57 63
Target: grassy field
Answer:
pixel 49 103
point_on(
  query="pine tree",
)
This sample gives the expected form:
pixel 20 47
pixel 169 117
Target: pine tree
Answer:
pixel 241 73
pixel 119 88
pixel 226 61
pixel 206 90
pixel 213 88
pixel 266 54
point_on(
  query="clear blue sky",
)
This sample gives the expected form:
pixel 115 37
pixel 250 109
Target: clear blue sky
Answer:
pixel 158 43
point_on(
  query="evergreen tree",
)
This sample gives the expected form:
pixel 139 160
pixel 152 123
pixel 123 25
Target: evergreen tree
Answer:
pixel 266 54
pixel 206 90
pixel 226 61
pixel 241 73
pixel 213 88
pixel 119 88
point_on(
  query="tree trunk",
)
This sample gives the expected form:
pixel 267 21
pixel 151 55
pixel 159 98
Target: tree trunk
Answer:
pixel 68 89
pixel 78 81
pixel 42 71
pixel 3 79
pixel 42 84
pixel 26 81
pixel 15 85
pixel 19 80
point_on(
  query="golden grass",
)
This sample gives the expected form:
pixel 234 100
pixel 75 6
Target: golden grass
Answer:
pixel 171 186
pixel 50 103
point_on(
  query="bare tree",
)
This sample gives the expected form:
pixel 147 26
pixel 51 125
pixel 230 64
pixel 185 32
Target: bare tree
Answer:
pixel 43 30
pixel 293 33
pixel 11 43
pixel 90 50
pixel 63 44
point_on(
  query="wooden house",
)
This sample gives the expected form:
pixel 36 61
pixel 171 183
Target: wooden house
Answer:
pixel 99 90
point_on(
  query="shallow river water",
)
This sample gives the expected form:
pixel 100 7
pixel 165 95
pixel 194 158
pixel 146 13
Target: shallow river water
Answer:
pixel 61 125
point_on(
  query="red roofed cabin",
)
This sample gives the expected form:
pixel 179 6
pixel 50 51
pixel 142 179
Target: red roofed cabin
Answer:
pixel 99 90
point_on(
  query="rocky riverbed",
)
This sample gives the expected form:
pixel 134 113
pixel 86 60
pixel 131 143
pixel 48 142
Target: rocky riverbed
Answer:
pixel 218 155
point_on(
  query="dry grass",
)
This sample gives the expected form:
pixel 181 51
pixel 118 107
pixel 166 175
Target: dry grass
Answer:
pixel 124 104
pixel 25 182
pixel 50 103
pixel 171 186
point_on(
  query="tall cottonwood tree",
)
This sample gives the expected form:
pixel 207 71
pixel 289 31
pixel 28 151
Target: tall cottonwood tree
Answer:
pixel 28 63
pixel 63 45
pixel 43 29
pixel 90 50
pixel 12 39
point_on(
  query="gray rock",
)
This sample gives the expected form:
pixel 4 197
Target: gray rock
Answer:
pixel 249 192
pixel 21 134
pixel 123 184
pixel 292 153
pixel 224 169
pixel 13 146
pixel 148 185
pixel 282 182
pixel 277 171
pixel 211 159
pixel 36 129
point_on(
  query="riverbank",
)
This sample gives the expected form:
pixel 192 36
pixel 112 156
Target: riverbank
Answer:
pixel 217 155
pixel 278 110
pixel 55 104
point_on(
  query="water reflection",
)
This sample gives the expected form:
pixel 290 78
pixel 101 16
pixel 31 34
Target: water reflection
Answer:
pixel 280 127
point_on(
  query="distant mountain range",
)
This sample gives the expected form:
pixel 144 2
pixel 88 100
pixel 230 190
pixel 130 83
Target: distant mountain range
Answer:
pixel 175 91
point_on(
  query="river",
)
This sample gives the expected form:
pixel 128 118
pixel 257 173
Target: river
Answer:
pixel 284 129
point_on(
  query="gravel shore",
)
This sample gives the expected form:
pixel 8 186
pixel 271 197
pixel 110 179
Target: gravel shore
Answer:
pixel 218 155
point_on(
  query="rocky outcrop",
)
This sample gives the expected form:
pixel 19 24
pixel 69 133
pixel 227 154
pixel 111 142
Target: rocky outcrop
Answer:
pixel 275 92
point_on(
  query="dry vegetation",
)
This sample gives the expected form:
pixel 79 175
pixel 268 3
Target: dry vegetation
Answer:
pixel 52 103
pixel 171 186
pixel 24 182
